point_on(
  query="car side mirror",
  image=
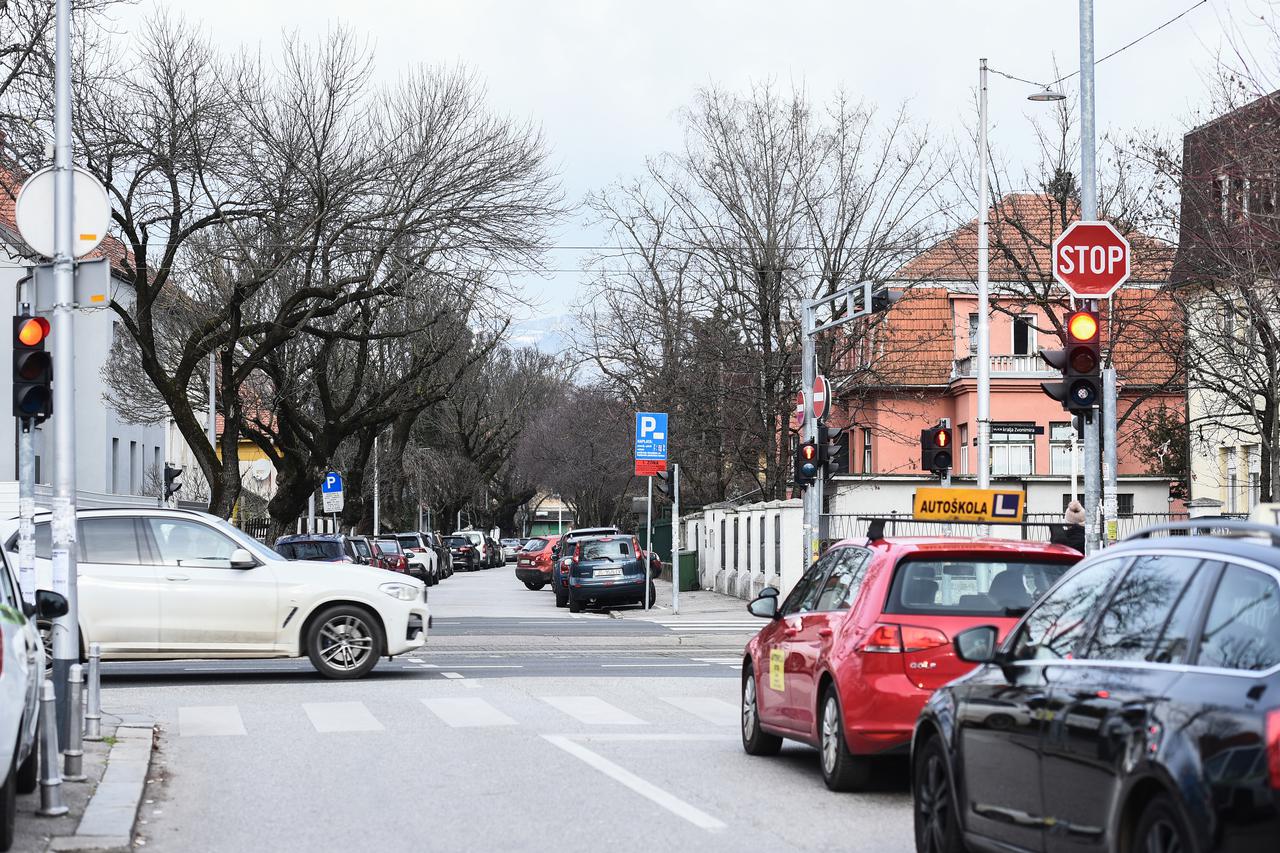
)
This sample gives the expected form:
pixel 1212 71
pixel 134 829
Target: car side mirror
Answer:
pixel 50 604
pixel 977 645
pixel 242 559
pixel 767 592
pixel 764 606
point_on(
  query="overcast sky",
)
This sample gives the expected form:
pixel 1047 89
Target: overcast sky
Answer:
pixel 605 79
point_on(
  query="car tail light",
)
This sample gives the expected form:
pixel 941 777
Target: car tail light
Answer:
pixel 1273 746
pixel 884 639
pixel 922 639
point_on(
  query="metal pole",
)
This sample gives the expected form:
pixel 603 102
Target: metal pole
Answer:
pixel 66 638
pixel 73 755
pixel 93 711
pixel 675 539
pixel 376 527
pixel 648 544
pixel 1109 391
pixel 51 802
pixel 809 375
pixel 213 400
pixel 1089 212
pixel 311 512
pixel 984 296
pixel 26 510
pixel 1075 460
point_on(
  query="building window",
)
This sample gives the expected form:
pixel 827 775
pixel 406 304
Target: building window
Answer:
pixel 1012 455
pixel 1233 480
pixel 973 334
pixel 1024 335
pixel 1124 505
pixel 115 466
pixel 133 467
pixel 962 449
pixel 735 544
pixel 1061 435
pixel 762 543
pixel 748 526
pixel 724 545
pixel 866 450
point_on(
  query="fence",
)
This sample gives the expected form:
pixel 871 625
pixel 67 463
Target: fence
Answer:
pixel 1035 526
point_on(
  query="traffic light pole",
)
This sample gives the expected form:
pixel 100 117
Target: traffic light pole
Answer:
pixel 808 376
pixel 1089 213
pixel 648 544
pixel 27 510
pixel 1109 402
pixel 66 639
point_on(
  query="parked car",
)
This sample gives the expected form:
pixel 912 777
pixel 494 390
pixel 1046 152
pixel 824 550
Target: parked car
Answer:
pixel 848 659
pixel 494 551
pixel 510 549
pixel 388 554
pixel 22 668
pixel 562 548
pixel 481 544
pixel 324 548
pixel 444 562
pixel 422 559
pixel 176 584
pixel 1136 706
pixel 463 552
pixel 608 569
pixel 533 563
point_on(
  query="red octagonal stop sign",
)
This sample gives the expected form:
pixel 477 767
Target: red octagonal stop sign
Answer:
pixel 1091 259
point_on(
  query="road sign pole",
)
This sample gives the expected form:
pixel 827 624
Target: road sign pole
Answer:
pixel 27 510
pixel 648 544
pixel 1089 212
pixel 983 415
pixel 808 375
pixel 376 519
pixel 675 539
pixel 66 638
pixel 1109 402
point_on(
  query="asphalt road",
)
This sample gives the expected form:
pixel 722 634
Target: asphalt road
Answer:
pixel 518 728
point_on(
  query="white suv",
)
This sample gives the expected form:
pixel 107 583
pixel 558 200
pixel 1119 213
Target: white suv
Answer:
pixel 174 584
pixel 21 672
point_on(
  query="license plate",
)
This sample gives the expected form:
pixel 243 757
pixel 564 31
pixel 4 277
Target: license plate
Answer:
pixel 607 573
pixel 525 563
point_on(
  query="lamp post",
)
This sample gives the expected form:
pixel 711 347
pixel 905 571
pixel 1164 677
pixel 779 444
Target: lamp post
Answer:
pixel 984 285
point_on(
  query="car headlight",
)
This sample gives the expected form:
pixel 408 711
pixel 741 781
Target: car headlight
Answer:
pixel 402 591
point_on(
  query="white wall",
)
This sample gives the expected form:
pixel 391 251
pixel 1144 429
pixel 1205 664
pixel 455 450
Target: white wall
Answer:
pixel 728 564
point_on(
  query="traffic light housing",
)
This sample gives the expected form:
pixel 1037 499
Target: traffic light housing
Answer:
pixel 32 369
pixel 807 463
pixel 1080 364
pixel 935 449
pixel 171 484
pixel 833 452
pixel 662 482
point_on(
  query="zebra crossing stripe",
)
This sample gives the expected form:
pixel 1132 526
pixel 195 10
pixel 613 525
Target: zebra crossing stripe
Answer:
pixel 465 712
pixel 592 710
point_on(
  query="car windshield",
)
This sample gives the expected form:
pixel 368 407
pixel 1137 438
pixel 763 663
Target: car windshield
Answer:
pixel 361 546
pixel 535 545
pixel 310 549
pixel 409 541
pixel 389 546
pixel 614 550
pixel 510 542
pixel 970 586
pixel 457 541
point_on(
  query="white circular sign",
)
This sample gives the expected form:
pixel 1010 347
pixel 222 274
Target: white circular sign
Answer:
pixel 34 213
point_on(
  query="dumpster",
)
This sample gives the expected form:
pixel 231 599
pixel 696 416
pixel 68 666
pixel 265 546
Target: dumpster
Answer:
pixel 688 570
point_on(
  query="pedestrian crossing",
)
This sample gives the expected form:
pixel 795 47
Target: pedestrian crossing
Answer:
pixel 567 713
pixel 711 626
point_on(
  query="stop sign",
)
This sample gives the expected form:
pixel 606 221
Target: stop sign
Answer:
pixel 1091 259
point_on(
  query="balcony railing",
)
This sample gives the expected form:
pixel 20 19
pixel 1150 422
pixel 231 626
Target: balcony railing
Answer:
pixel 1002 365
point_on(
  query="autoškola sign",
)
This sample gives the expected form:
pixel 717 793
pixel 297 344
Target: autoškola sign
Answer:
pixel 994 506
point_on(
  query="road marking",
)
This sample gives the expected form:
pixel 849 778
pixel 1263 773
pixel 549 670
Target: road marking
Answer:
pixel 453 675
pixel 593 711
pixel 341 717
pixel 467 713
pixel 712 710
pixel 725 661
pixel 209 720
pixel 649 665
pixel 632 736
pixel 648 790
pixel 486 666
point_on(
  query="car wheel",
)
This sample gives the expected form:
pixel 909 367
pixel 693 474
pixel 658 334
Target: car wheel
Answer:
pixel 575 605
pixel 841 769
pixel 1162 829
pixel 562 598
pixel 755 740
pixel 8 807
pixel 936 819
pixel 534 586
pixel 29 770
pixel 344 642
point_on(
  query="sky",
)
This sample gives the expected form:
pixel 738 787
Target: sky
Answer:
pixel 606 80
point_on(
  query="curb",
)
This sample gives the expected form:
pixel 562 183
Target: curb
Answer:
pixel 107 822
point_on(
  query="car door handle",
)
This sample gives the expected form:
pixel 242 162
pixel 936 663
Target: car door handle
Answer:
pixel 178 577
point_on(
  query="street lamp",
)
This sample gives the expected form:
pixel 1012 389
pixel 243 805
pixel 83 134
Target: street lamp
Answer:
pixel 984 289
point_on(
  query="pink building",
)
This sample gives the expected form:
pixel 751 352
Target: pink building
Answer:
pixel 924 361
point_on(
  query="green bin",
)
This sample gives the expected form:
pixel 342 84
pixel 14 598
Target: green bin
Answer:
pixel 688 571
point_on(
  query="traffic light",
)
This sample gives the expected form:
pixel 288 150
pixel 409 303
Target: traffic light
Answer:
pixel 935 449
pixel 1080 364
pixel 663 483
pixel 171 484
pixel 806 464
pixel 884 300
pixel 32 369
pixel 833 452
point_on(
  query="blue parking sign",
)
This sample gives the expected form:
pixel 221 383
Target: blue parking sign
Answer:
pixel 651 436
pixel 332 483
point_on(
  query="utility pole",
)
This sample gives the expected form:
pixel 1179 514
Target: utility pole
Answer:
pixel 984 295
pixel 66 629
pixel 376 528
pixel 648 544
pixel 1089 213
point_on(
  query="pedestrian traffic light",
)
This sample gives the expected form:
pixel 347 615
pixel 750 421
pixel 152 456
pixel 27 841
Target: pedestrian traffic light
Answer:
pixel 1080 364
pixel 663 483
pixel 32 369
pixel 833 452
pixel 935 449
pixel 806 464
pixel 171 484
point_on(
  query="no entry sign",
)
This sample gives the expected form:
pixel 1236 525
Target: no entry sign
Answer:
pixel 819 397
pixel 1091 259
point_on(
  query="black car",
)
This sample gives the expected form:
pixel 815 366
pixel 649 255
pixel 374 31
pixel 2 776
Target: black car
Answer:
pixel 443 558
pixel 463 553
pixel 1135 707
pixel 324 547
pixel 606 570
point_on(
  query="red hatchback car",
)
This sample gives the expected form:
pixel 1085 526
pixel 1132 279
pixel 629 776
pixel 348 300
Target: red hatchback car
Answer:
pixel 849 658
pixel 533 562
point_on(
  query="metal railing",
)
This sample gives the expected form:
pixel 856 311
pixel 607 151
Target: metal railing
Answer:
pixel 1000 365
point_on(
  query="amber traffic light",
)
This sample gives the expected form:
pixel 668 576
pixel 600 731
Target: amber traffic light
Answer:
pixel 32 368
pixel 1080 364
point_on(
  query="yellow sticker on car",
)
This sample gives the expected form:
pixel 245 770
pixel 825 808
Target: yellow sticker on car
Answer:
pixel 777 662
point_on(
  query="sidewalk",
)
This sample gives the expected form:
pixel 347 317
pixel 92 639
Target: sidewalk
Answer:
pixel 102 809
pixel 696 604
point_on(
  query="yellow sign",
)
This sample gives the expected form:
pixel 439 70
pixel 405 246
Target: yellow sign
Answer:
pixel 991 505
pixel 777 663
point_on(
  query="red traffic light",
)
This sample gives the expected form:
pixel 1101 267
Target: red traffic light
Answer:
pixel 941 438
pixel 31 331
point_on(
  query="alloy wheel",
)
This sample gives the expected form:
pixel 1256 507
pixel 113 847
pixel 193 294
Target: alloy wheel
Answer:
pixel 748 706
pixel 933 802
pixel 1162 837
pixel 345 642
pixel 830 735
